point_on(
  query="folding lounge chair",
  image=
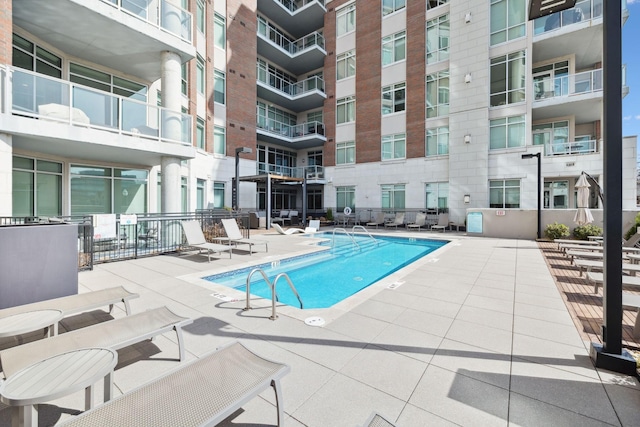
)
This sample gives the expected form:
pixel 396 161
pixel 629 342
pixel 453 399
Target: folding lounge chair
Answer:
pixel 235 236
pixel 288 231
pixel 421 221
pixel 443 222
pixel 398 220
pixel 379 220
pixel 377 420
pixel 195 239
pixel 202 392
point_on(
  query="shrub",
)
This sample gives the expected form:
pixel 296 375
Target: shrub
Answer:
pixel 633 229
pixel 556 231
pixel 330 214
pixel 582 232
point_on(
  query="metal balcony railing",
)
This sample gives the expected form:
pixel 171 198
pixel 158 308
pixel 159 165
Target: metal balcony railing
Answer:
pixel 583 11
pixel 571 148
pixel 312 172
pixel 290 131
pixel 293 47
pixel 293 5
pixel 292 89
pixel 572 84
pixel 48 98
pixel 160 13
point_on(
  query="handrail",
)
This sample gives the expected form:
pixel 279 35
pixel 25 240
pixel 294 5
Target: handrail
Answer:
pixel 266 279
pixel 293 288
pixel 333 236
pixel 353 230
pixel 272 286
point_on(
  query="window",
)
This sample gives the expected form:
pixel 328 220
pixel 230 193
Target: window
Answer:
pixel 508 19
pixel 508 132
pixel 504 193
pixel 276 160
pixel 435 3
pixel 219 87
pixel 345 153
pixel 553 80
pixel 437 141
pixel 556 194
pixel 390 6
pixel 201 193
pixel 36 187
pixel 34 58
pixel 200 75
pixel 345 196
pixel 200 134
pixel 184 79
pixel 346 65
pixel 218 195
pixel 274 119
pixel 393 196
pixel 314 158
pixel 554 136
pixel 97 190
pixel 393 98
pixel 394 146
pixel 314 200
pixel 314 116
pixel 438 39
pixel 346 20
pixel 105 82
pixel 219 31
pixel 394 48
pixel 437 196
pixel 200 16
pixel 184 193
pixel 346 109
pixel 438 94
pixel 508 73
pixel 219 140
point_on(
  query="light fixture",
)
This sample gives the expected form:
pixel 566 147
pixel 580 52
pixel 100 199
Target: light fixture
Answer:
pixel 467 199
pixel 467 78
pixel 467 17
pixel 467 138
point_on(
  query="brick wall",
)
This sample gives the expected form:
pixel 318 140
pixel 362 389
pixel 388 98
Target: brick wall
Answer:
pixel 6 30
pixel 416 37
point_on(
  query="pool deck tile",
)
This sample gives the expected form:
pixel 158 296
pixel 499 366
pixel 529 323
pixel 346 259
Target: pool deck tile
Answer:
pixel 482 332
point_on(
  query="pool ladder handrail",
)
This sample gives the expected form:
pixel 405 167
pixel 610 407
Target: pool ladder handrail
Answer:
pixel 358 227
pixel 272 286
pixel 333 237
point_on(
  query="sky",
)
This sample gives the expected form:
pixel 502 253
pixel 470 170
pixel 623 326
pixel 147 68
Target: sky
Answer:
pixel 631 57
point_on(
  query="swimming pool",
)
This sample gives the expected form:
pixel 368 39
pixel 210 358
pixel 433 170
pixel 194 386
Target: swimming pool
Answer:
pixel 325 278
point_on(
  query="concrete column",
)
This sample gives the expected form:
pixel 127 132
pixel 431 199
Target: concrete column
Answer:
pixel 6 162
pixel 171 129
pixel 171 185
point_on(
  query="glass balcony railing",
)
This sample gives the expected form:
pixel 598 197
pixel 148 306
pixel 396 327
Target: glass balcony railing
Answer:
pixel 571 147
pixel 312 172
pixel 314 83
pixel 161 13
pixel 291 46
pixel 583 11
pixel 290 131
pixel 567 85
pixel 293 5
pixel 47 98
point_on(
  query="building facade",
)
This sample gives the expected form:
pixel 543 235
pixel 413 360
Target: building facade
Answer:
pixel 373 105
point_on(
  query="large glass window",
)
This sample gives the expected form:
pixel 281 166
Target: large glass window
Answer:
pixel 393 196
pixel 276 160
pixel 219 85
pixel 219 140
pixel 435 3
pixel 106 82
pixel 201 192
pixel 508 79
pixel 437 141
pixel 554 136
pixel 36 187
pixel 314 200
pixel 200 134
pixel 200 16
pixel 556 194
pixel 200 75
pixel 346 20
pixel 346 65
pixel 438 94
pixel 393 98
pixel 394 48
pixel 184 193
pixel 345 153
pixel 346 109
pixel 508 19
pixel 345 197
pixel 31 57
pixel 96 190
pixel 274 119
pixel 504 193
pixel 390 6
pixel 184 79
pixel 438 39
pixel 219 31
pixel 437 196
pixel 508 132
pixel 394 146
pixel 218 195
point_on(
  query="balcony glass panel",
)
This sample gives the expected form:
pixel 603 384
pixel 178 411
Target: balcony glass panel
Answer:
pixel 583 11
pixel 291 46
pixel 292 89
pixel 572 84
pixel 561 148
pixel 290 131
pixel 293 5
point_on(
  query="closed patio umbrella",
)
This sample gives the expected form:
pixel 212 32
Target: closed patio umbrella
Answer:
pixel 583 214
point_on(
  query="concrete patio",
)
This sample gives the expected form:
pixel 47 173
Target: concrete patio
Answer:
pixel 474 334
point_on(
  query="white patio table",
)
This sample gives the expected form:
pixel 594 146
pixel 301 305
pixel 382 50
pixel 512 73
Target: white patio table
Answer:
pixel 30 321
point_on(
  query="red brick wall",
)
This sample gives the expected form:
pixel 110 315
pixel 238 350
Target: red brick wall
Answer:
pixel 416 11
pixel 6 30
pixel 368 80
pixel 241 75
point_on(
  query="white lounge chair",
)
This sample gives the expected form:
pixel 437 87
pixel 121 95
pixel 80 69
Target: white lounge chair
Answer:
pixel 195 239
pixel 377 420
pixel 398 220
pixel 202 392
pixel 443 222
pixel 421 221
pixel 379 220
pixel 287 231
pixel 235 236
pixel 314 226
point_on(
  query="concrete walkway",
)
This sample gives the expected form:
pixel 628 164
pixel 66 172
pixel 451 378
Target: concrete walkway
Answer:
pixel 474 334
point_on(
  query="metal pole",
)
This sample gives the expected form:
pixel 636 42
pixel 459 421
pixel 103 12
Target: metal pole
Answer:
pixel 236 184
pixel 539 195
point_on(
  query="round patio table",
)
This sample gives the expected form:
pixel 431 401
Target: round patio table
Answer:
pixel 30 321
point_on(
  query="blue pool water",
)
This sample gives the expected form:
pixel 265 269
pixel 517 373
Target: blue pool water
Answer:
pixel 326 278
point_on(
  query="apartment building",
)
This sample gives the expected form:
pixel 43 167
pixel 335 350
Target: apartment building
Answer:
pixel 122 106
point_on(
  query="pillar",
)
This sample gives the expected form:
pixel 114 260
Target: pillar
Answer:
pixel 171 129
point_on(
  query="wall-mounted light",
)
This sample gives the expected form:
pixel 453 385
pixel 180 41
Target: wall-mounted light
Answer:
pixel 467 17
pixel 467 78
pixel 467 138
pixel 466 199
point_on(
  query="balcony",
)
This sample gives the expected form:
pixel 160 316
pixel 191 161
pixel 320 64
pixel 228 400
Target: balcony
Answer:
pixel 118 34
pixel 571 148
pixel 300 96
pixel 297 56
pixel 85 121
pixel 314 174
pixel 304 135
pixel 309 14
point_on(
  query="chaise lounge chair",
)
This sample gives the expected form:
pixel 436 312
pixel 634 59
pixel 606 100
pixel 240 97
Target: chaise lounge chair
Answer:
pixel 443 222
pixel 379 220
pixel 202 392
pixel 287 231
pixel 421 221
pixel 377 420
pixel 398 220
pixel 195 239
pixel 235 236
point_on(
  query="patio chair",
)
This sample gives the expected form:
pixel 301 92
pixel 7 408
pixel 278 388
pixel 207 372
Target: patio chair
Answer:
pixel 443 222
pixel 235 236
pixel 398 220
pixel 379 220
pixel 377 420
pixel 283 215
pixel 314 226
pixel 195 239
pixel 421 221
pixel 287 231
pixel 202 392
